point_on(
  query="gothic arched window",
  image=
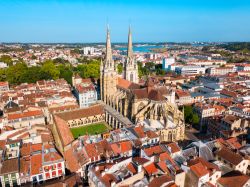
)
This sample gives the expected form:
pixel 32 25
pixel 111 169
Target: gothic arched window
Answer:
pixel 131 77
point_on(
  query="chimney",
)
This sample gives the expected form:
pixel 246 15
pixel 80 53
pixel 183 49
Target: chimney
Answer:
pixel 103 173
pixel 139 168
pixel 96 168
pixel 112 184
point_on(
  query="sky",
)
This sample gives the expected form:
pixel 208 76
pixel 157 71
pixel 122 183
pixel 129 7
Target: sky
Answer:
pixel 83 21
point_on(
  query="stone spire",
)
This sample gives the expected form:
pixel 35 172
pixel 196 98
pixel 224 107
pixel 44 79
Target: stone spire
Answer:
pixel 108 48
pixel 130 47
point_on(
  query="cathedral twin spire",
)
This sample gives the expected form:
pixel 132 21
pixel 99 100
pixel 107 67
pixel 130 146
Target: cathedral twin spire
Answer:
pixel 109 50
pixel 130 71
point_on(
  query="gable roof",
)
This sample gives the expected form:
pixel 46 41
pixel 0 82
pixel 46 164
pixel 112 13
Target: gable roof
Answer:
pixel 63 130
pixel 81 113
pixel 159 181
pixel 199 170
pixel 229 156
pixel 233 178
pixel 125 84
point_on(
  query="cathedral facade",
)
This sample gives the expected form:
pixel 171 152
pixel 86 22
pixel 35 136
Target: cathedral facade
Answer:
pixel 150 104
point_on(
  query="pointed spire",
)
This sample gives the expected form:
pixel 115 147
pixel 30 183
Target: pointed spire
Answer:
pixel 108 47
pixel 130 47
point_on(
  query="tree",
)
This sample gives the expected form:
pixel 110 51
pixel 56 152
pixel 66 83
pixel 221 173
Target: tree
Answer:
pixel 150 65
pixel 33 74
pixel 6 59
pixel 50 69
pixel 66 72
pixel 15 74
pixel 2 74
pixel 90 69
pixel 60 61
pixel 33 57
pixel 119 68
pixel 195 119
pixel 142 71
pixel 190 116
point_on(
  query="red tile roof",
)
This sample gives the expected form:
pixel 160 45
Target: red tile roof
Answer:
pixel 131 168
pixel 229 156
pixel 208 165
pixel 139 131
pixel 123 83
pixel 125 146
pixel 234 143
pixel 160 181
pixel 36 164
pixel 36 147
pixel 233 179
pixel 25 165
pixel 151 169
pixel 4 83
pixel 25 114
pixel 63 130
pixel 151 134
pixel 153 150
pixel 174 147
pixel 91 150
pixel 199 170
pixel 82 113
pixel 71 160
pixel 26 149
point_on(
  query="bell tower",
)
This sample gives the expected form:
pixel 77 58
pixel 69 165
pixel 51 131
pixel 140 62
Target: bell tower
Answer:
pixel 108 74
pixel 130 66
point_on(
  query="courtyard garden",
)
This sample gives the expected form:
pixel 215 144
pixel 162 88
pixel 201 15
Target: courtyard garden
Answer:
pixel 92 129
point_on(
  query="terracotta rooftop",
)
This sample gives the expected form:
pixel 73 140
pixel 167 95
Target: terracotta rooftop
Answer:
pixel 139 131
pixel 26 149
pixel 153 150
pixel 199 170
pixel 71 160
pixel 25 114
pixel 36 164
pixel 229 156
pixel 131 167
pixel 208 165
pixel 159 181
pixel 174 147
pixel 151 169
pixel 233 179
pixel 81 113
pixel 63 130
pixel 4 83
pixel 9 166
pixel 152 134
pixel 125 84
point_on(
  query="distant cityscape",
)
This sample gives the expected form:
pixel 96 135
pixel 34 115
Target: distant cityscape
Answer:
pixel 123 114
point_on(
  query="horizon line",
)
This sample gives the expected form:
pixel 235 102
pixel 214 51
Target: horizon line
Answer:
pixel 142 42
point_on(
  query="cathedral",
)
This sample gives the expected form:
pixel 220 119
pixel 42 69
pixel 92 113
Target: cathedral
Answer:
pixel 146 103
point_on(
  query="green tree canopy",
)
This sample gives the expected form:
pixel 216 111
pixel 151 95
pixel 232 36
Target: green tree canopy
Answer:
pixel 6 59
pixel 50 69
pixel 190 116
pixel 119 68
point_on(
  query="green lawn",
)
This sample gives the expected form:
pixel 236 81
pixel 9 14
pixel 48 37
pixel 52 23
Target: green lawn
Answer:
pixel 89 129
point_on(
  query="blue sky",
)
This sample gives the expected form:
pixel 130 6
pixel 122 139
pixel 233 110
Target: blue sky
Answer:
pixel 151 20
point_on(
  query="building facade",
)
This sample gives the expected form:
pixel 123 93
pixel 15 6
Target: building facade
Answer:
pixel 85 91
